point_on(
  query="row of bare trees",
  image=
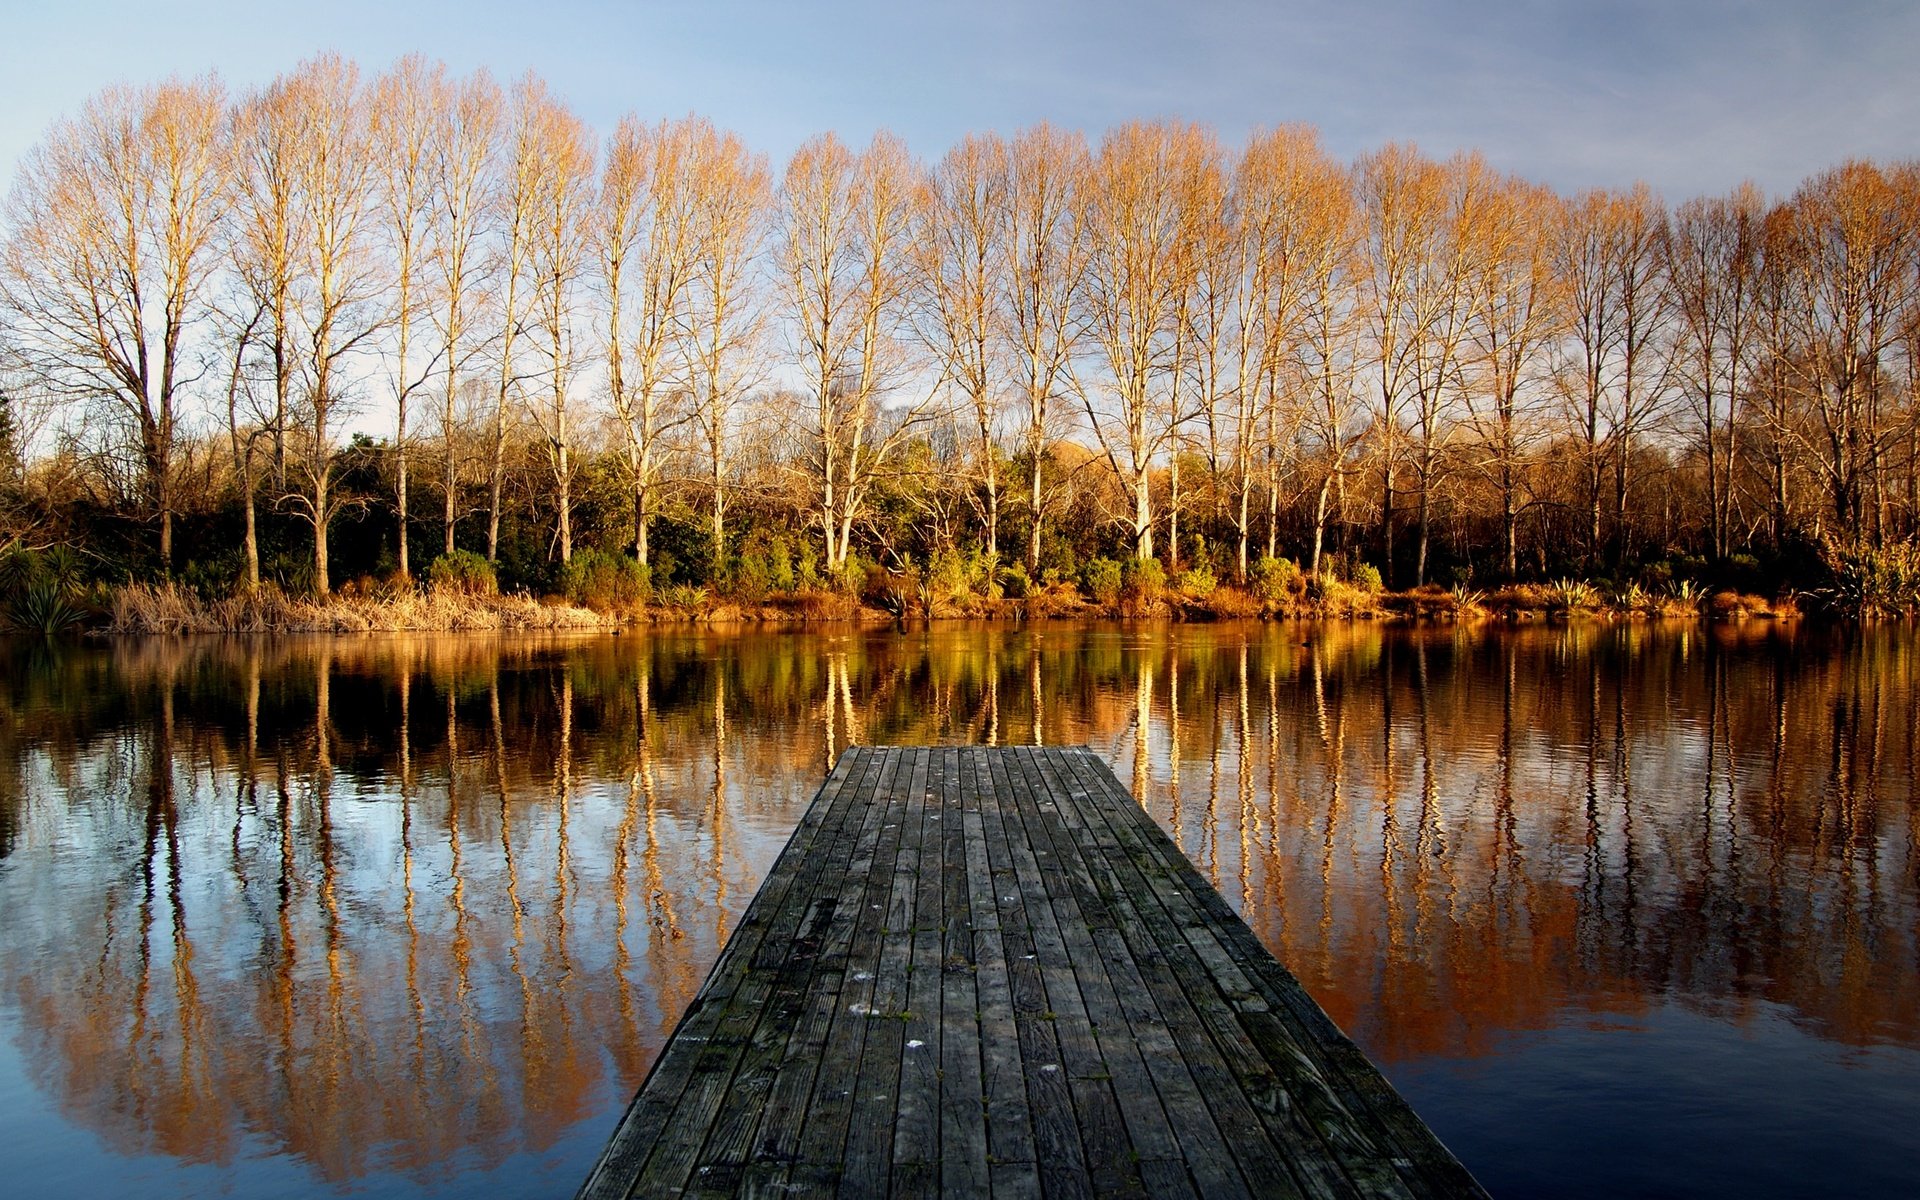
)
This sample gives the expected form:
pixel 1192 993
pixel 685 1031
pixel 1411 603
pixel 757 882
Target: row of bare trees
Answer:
pixel 1383 345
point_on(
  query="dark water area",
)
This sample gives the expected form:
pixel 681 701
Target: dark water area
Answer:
pixel 1621 910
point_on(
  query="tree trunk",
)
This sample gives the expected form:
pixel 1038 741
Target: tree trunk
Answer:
pixel 993 517
pixel 1244 522
pixel 1620 531
pixel 1386 521
pixel 447 479
pixel 1033 505
pixel 719 507
pixel 1426 512
pixel 322 587
pixel 400 498
pixel 499 479
pixel 1142 518
pixel 1273 495
pixel 252 536
pixel 640 545
pixel 400 432
pixel 1320 509
pixel 565 487
pixel 1173 515
pixel 1509 522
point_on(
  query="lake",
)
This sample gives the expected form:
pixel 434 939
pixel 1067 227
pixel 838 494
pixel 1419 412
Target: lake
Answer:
pixel 1620 909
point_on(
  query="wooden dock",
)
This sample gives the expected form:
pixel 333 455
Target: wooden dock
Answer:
pixel 986 972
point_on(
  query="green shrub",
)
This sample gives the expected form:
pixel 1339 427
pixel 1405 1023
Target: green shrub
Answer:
pixel 45 607
pixel 1102 579
pixel 947 574
pixel 806 567
pixel 463 573
pixel 606 580
pixel 1573 594
pixel 1014 581
pixel 1870 581
pixel 1143 579
pixel 1196 581
pixel 764 566
pixel 854 574
pixel 22 569
pixel 1276 580
pixel 684 596
pixel 1365 577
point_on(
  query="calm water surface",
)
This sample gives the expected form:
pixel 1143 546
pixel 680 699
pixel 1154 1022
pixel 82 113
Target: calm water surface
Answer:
pixel 1620 910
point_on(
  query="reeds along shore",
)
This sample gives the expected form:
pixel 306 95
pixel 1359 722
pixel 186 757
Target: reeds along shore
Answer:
pixel 166 609
pixel 150 608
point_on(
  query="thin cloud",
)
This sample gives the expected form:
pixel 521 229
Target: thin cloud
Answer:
pixel 1691 97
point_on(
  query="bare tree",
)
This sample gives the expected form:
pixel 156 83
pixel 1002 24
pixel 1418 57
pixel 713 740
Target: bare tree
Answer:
pixel 403 115
pixel 1442 322
pixel 844 277
pixel 1615 376
pixel 1212 332
pixel 647 251
pixel 1410 294
pixel 267 239
pixel 1264 250
pixel 1138 272
pixel 959 252
pixel 725 315
pixel 1512 317
pixel 557 235
pixel 466 139
pixel 340 298
pixel 1711 261
pixel 519 169
pixel 1852 253
pixel 109 247
pixel 1775 372
pixel 1045 262
pixel 242 316
pixel 1643 381
pixel 1325 239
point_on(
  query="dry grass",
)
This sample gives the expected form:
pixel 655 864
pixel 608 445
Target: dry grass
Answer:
pixel 145 608
pixel 1738 606
pixel 1229 602
pixel 1427 602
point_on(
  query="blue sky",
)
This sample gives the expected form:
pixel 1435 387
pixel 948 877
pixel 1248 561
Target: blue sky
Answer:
pixel 1692 96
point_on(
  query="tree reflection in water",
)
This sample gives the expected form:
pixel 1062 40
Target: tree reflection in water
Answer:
pixel 416 910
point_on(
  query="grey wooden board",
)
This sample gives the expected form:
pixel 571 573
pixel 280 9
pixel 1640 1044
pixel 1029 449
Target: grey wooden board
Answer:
pixel 986 972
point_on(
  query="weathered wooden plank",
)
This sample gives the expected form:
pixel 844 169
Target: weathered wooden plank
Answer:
pixel 658 1099
pixel 1002 1070
pixel 821 1156
pixel 1083 918
pixel 1021 899
pixel 1154 1020
pixel 963 1116
pixel 1122 1120
pixel 778 1138
pixel 1370 1130
pixel 1146 878
pixel 730 1152
pixel 916 1119
pixel 733 1075
pixel 868 1161
pixel 987 972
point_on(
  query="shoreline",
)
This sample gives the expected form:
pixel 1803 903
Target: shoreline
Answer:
pixel 146 610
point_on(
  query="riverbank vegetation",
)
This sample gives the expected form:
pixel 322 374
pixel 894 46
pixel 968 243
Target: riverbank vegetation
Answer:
pixel 409 349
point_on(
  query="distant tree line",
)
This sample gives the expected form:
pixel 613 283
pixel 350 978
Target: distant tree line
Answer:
pixel 1030 353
